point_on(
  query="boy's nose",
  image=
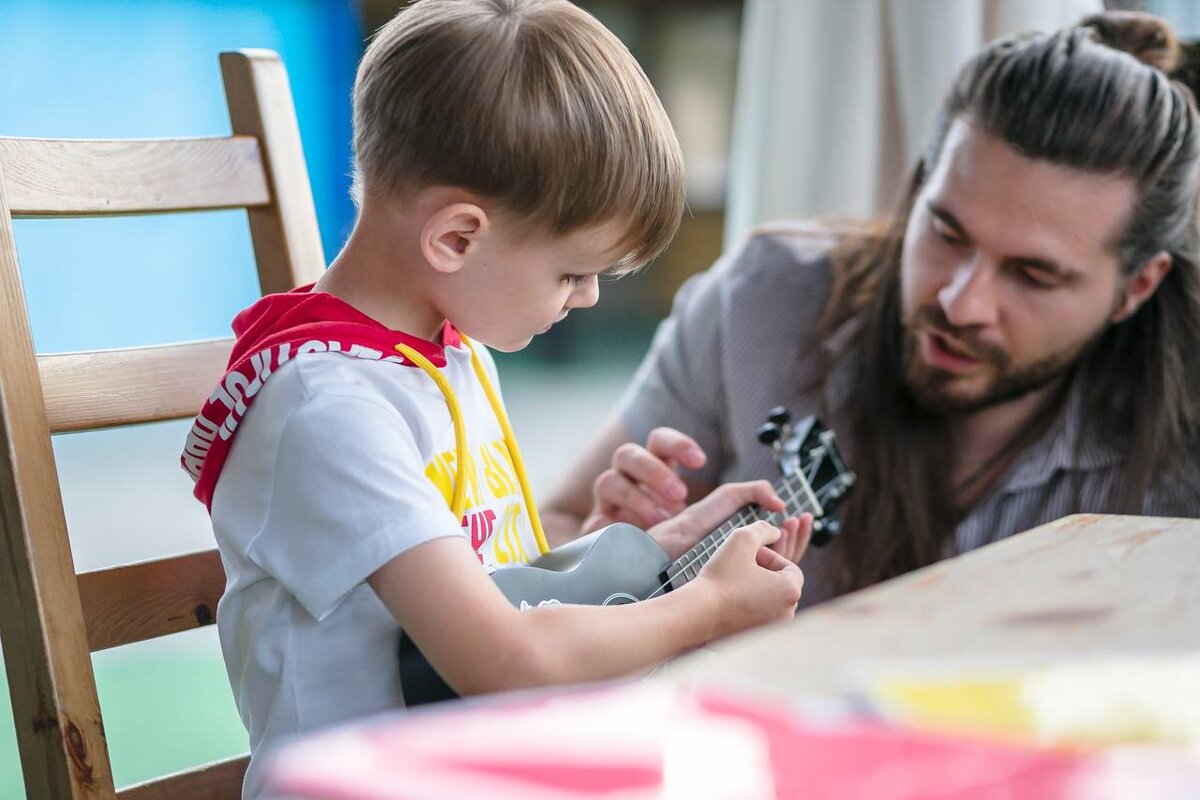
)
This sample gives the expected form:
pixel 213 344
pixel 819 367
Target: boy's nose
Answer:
pixel 586 295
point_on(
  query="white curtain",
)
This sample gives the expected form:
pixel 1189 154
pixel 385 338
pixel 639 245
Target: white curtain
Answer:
pixel 835 98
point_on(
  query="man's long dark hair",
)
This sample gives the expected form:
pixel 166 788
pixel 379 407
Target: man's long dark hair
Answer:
pixel 1071 100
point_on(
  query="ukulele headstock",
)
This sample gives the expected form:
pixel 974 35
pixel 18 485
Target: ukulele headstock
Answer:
pixel 809 460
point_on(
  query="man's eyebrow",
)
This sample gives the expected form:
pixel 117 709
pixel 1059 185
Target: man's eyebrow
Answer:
pixel 1046 265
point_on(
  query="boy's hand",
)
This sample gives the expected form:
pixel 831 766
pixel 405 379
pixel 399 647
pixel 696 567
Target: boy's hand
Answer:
pixel 681 532
pixel 752 584
pixel 796 533
pixel 642 486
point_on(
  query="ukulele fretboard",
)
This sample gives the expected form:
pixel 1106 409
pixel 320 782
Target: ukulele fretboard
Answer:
pixel 798 497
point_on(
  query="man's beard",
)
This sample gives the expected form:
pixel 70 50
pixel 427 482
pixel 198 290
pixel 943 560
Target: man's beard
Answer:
pixel 930 386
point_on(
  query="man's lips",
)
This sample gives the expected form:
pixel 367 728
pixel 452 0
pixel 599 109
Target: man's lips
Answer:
pixel 945 353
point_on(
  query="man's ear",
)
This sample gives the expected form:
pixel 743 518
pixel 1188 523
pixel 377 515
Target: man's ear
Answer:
pixel 1141 285
pixel 451 233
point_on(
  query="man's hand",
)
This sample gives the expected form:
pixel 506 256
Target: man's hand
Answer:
pixel 642 485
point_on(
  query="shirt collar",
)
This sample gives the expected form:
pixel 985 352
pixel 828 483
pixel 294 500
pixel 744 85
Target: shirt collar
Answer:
pixel 1068 445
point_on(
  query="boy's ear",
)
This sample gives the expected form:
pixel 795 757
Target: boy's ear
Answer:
pixel 451 233
pixel 1141 285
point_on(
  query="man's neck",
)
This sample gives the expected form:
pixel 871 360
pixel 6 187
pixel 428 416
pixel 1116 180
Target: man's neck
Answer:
pixel 986 442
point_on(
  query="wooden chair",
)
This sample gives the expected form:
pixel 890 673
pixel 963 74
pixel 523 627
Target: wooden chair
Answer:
pixel 52 619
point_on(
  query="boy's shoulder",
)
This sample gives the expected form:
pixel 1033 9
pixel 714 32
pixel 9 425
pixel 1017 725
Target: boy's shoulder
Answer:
pixel 326 377
pixel 336 378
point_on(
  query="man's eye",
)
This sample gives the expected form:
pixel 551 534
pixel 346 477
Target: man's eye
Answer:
pixel 945 233
pixel 1036 278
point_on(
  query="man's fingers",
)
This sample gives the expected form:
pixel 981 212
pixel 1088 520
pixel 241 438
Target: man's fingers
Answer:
pixel 621 499
pixel 672 445
pixel 654 474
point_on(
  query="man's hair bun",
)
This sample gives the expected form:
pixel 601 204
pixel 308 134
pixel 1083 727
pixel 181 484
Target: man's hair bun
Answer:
pixel 1147 38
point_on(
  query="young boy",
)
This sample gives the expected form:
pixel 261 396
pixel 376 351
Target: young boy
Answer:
pixel 356 460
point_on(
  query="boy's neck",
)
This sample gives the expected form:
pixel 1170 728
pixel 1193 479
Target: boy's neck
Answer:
pixel 379 273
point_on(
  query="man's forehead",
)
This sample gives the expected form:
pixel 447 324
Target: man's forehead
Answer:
pixel 999 195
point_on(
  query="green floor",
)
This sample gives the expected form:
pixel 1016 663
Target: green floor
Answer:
pixel 165 708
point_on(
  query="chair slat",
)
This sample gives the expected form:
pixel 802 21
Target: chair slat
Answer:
pixel 53 177
pixel 103 388
pixel 54 702
pixel 51 617
pixel 219 781
pixel 287 239
pixel 135 602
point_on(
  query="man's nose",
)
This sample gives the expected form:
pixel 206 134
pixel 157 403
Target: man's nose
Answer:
pixel 969 299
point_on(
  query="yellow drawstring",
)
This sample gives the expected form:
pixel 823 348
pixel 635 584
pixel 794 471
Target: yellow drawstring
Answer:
pixel 510 441
pixel 458 501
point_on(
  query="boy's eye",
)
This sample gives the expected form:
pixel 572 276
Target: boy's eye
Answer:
pixel 576 280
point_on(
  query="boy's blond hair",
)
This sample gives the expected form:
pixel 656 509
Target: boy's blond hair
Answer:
pixel 531 104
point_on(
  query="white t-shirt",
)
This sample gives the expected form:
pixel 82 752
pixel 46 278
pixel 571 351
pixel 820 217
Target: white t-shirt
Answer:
pixel 339 465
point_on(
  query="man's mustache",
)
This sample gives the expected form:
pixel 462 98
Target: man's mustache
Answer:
pixel 965 340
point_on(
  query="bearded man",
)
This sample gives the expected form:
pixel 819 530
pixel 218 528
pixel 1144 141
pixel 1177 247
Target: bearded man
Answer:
pixel 1020 342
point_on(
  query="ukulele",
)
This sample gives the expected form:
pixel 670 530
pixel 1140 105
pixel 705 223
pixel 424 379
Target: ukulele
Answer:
pixel 622 564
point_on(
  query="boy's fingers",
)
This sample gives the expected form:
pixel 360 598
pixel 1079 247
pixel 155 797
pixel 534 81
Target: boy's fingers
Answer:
pixel 764 495
pixel 794 577
pixel 732 496
pixel 771 559
pixel 804 532
pixel 720 505
pixel 757 534
pixel 797 532
pixel 787 539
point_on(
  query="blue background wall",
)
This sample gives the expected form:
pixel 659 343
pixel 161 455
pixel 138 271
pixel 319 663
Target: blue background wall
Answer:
pixel 105 68
pixel 146 69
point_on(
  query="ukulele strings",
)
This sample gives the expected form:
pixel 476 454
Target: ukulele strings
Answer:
pixel 718 537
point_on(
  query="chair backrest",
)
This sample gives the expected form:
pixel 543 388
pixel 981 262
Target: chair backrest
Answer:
pixel 52 619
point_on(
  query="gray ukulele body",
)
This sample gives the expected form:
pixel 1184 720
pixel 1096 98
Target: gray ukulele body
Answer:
pixel 621 564
pixel 614 565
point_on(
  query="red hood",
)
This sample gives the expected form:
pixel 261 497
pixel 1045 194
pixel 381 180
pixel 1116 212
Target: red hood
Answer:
pixel 269 334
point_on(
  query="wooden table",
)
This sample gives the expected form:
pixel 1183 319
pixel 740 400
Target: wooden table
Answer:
pixel 1083 585
pixel 1088 584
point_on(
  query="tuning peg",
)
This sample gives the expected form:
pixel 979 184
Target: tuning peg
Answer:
pixel 825 530
pixel 779 415
pixel 769 433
